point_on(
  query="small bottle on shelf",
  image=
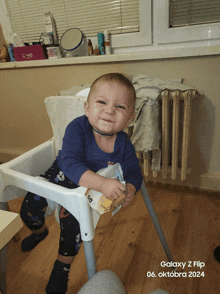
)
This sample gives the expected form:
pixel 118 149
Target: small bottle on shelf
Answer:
pixel 96 50
pixel 101 43
pixel 90 48
pixel 107 42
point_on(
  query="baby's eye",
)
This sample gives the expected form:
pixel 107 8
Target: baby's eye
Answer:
pixel 120 106
pixel 101 102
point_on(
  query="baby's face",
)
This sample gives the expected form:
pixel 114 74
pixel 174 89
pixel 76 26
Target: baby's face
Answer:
pixel 110 107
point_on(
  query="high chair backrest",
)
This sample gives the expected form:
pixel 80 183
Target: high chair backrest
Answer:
pixel 62 110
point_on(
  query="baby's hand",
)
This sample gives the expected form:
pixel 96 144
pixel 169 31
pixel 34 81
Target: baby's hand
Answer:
pixel 112 188
pixel 129 195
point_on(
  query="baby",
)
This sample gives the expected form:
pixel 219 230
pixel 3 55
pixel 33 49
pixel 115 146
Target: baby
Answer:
pixel 89 143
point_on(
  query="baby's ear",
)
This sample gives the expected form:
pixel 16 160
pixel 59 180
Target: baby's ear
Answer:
pixel 86 108
pixel 130 119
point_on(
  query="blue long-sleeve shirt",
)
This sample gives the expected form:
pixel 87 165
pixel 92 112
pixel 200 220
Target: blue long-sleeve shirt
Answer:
pixel 80 153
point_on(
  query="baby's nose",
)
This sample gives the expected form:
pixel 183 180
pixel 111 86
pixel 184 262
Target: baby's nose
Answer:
pixel 110 109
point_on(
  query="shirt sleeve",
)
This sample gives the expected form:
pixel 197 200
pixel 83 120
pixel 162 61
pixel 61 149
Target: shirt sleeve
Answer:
pixel 73 151
pixel 130 166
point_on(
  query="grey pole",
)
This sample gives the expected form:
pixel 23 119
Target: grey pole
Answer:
pixel 154 218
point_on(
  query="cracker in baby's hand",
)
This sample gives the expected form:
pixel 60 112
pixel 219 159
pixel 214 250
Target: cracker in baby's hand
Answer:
pixel 118 203
pixel 120 199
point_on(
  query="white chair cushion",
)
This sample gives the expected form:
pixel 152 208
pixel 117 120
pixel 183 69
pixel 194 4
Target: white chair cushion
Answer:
pixel 84 92
pixel 62 110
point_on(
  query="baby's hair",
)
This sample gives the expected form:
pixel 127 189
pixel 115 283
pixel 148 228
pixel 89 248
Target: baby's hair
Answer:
pixel 114 77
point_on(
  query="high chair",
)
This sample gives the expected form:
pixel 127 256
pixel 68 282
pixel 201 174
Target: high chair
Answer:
pixel 22 174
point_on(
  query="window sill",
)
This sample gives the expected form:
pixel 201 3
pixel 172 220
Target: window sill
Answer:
pixel 156 53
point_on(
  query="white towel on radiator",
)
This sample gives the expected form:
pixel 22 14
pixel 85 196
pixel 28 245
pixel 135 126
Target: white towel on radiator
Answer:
pixel 146 135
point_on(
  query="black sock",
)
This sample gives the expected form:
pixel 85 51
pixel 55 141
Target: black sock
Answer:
pixel 31 241
pixel 217 253
pixel 59 278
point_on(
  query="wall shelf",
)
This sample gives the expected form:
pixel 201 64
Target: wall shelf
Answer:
pixel 165 53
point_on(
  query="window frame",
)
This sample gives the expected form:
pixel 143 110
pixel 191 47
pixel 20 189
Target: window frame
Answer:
pixel 165 35
pixel 144 37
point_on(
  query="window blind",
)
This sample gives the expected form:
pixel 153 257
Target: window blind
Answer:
pixel 194 12
pixel 91 17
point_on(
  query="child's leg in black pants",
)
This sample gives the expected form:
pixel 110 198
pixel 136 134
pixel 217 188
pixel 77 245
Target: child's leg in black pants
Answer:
pixel 70 242
pixel 32 213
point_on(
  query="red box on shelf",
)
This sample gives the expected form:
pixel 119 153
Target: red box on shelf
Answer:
pixel 34 52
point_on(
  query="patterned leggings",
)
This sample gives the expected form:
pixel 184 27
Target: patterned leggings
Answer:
pixel 33 214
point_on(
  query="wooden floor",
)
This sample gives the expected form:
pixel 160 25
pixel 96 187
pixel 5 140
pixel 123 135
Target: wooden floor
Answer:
pixel 128 244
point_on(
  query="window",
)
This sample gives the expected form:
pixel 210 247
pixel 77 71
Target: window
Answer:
pixel 179 28
pixel 123 18
pixel 193 12
pixel 160 26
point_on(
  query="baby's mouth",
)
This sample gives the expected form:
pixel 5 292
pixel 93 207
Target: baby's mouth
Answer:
pixel 107 120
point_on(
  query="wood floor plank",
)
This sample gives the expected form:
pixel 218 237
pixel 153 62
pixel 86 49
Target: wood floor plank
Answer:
pixel 128 244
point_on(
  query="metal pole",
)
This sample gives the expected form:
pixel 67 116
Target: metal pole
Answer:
pixel 90 258
pixel 156 223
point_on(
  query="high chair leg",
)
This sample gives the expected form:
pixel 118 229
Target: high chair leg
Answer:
pixel 156 223
pixel 90 258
